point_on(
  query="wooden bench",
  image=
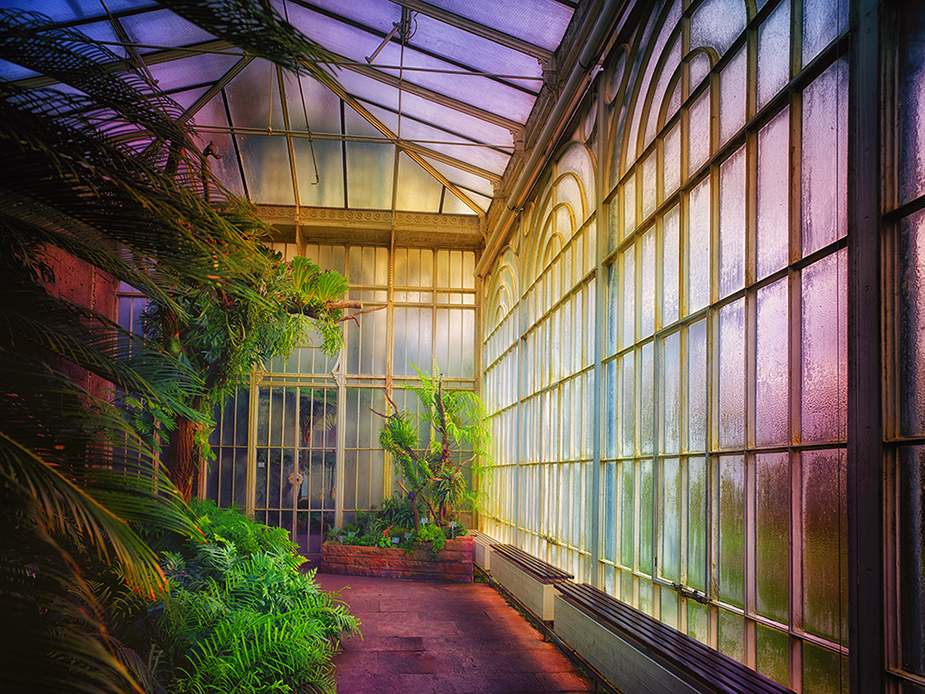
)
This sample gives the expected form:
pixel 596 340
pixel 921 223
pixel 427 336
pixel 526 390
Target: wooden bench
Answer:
pixel 482 545
pixel 530 580
pixel 643 654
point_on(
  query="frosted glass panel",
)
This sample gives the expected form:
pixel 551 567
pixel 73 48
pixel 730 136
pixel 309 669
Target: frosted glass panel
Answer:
pixel 824 671
pixel 629 206
pixel 670 266
pixel 773 654
pixel 911 546
pixel 912 325
pixel 825 161
pixel 773 194
pixel 910 110
pixel 647 399
pixel 672 164
pixel 825 356
pixel 699 142
pixel 823 20
pixel 772 523
pixel 647 288
pixel 649 188
pixel 825 559
pixel 772 399
pixel 629 403
pixel 670 562
pixel 697 386
pixel 628 523
pixel 774 53
pixel 733 81
pixel 732 375
pixel 732 529
pixel 670 430
pixel 698 247
pixel 696 523
pixel 629 297
pixel 413 339
pixel 732 224
pixel 717 23
pixel 732 635
pixel 646 500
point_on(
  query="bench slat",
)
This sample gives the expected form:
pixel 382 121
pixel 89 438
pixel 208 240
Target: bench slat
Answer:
pixel 667 644
pixel 545 572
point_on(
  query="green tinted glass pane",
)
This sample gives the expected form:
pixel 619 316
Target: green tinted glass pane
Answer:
pixel 773 654
pixel 732 635
pixel 824 671
pixel 772 553
pixel 732 529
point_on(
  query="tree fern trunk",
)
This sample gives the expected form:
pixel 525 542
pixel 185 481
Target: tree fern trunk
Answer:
pixel 182 456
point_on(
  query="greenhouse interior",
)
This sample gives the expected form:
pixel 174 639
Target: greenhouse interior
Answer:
pixel 677 247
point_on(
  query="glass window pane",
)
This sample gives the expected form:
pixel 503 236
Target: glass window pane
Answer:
pixel 732 375
pixel 774 53
pixel 647 284
pixel 698 247
pixel 732 529
pixel 699 138
pixel 629 403
pixel 670 561
pixel 670 266
pixel 670 405
pixel 912 325
pixel 912 557
pixel 772 532
pixel 772 399
pixel 647 399
pixel 697 386
pixel 696 523
pixel 773 230
pixel 824 156
pixel 732 224
pixel 824 344
pixel 823 20
pixel 911 97
pixel 825 560
pixel 733 81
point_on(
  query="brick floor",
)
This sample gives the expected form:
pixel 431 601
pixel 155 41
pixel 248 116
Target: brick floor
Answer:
pixel 440 638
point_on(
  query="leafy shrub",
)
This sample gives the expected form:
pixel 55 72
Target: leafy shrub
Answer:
pixel 239 616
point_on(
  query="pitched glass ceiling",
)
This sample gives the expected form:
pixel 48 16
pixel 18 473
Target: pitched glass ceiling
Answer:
pixel 430 101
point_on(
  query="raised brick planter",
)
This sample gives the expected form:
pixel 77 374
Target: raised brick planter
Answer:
pixel 452 565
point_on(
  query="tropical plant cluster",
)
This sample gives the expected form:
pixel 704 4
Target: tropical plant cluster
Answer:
pixel 392 525
pixel 239 615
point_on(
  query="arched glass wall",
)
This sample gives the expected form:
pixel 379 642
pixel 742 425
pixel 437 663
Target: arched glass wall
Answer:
pixel 683 446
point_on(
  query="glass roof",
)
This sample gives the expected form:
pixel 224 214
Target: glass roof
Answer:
pixel 430 97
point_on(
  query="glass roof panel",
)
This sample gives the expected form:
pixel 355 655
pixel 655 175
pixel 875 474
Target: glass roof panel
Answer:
pixel 105 34
pixel 540 22
pixel 306 96
pixel 369 175
pixel 456 121
pixel 156 28
pixel 249 96
pixel 323 187
pixel 467 182
pixel 418 191
pixel 489 159
pixel 70 10
pixel 197 69
pixel 266 165
pixel 476 52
